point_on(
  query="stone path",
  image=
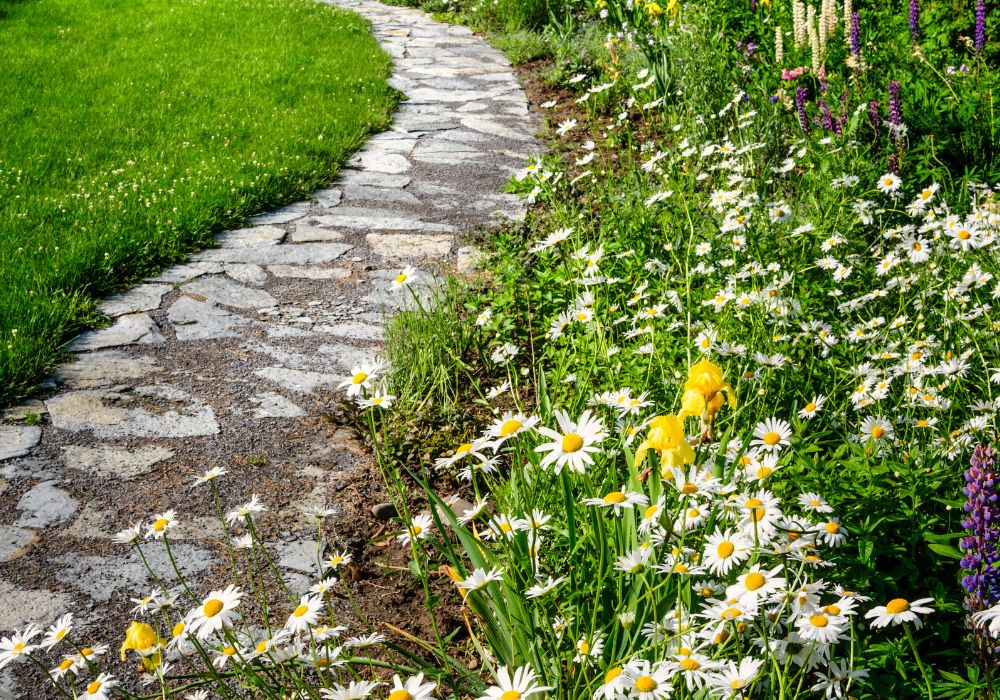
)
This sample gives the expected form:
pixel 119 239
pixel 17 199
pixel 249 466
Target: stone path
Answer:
pixel 232 358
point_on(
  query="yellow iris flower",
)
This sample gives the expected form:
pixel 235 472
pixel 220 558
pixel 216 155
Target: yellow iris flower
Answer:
pixel 666 437
pixel 705 390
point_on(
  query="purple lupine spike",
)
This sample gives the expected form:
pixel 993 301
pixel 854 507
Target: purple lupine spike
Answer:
pixel 856 34
pixel 980 26
pixel 842 122
pixel 982 510
pixel 801 94
pixel 896 126
pixel 914 19
pixel 875 121
pixel 894 163
pixel 826 119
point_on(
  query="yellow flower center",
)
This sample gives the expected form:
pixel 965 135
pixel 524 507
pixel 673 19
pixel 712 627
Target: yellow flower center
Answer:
pixel 178 630
pixel 261 646
pixel 693 513
pixel 764 472
pixel 964 235
pixel 336 560
pixel 509 427
pixel 896 606
pixel 731 613
pixel 831 610
pixel 572 443
pixel 754 580
pixel 359 378
pixel 756 509
pixel 878 432
pixel 772 438
pixel 400 694
pixel 819 621
pixel 810 407
pixel 681 568
pixel 66 664
pixel 416 530
pixel 464 448
pixel 614 497
pixel 689 488
pixel 651 512
pixel 506 527
pixel 690 665
pixel 584 648
pixel 888 182
pixel 511 695
pixel 401 277
pixel 645 684
pixel 613 674
pixel 229 651
pixel 725 549
pixel 86 651
pixel 20 646
pixel 301 610
pixel 212 607
pixel 93 688
pixel 161 524
pixel 832 528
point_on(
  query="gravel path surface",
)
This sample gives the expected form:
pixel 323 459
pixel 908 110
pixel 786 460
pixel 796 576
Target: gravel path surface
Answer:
pixel 232 359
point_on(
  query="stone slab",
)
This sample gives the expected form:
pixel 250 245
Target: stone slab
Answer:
pixel 408 245
pixel 130 329
pixel 230 293
pixel 145 297
pixel 114 463
pixel 17 440
pixel 45 504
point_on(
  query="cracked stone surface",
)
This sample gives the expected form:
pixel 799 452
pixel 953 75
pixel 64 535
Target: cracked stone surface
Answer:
pixel 238 352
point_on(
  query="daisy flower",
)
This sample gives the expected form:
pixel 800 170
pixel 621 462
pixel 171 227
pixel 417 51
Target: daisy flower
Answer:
pixel 17 645
pixel 898 611
pixel 510 425
pixel 404 278
pixel 210 475
pixel 876 428
pixel 814 502
pixel 724 550
pixel 889 183
pixel 756 584
pixel 735 677
pixel 589 650
pixel 99 688
pixel 413 689
pixel 305 615
pixel 822 628
pixel 619 501
pixel 810 410
pixel 362 377
pixel 356 690
pixel 573 444
pixel 339 559
pixel 831 533
pixel 246 510
pixel 129 535
pixel 615 684
pixel 544 588
pixel 645 681
pixel 772 434
pixel 161 523
pixel 480 578
pixel 521 685
pixel 58 631
pixel 215 612
pixel 420 528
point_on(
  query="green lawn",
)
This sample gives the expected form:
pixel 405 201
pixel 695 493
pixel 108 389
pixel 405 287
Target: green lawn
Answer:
pixel 131 131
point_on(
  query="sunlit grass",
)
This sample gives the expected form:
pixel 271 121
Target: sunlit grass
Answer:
pixel 130 131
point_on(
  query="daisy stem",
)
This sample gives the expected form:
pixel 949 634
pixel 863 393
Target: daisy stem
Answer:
pixel 52 679
pixel 177 570
pixel 156 579
pixel 920 663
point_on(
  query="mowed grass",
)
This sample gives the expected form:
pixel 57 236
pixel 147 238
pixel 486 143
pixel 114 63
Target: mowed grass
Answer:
pixel 130 131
